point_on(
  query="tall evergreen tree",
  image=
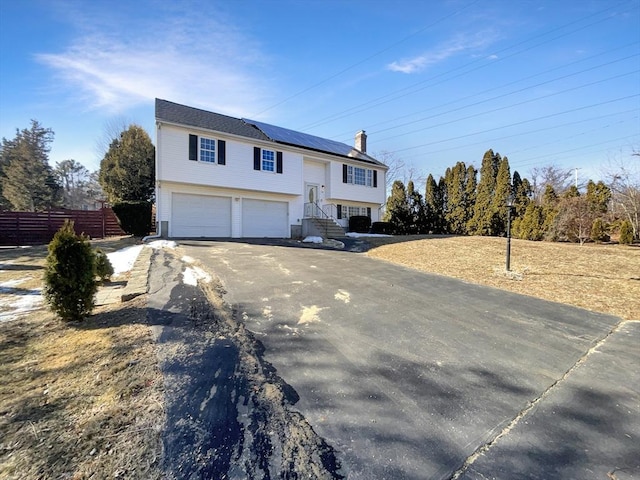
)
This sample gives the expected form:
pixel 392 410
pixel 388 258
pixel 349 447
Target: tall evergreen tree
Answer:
pixel 456 214
pixel 127 171
pixel 397 211
pixel 500 198
pixel 470 194
pixel 443 201
pixel 522 192
pixel 27 180
pixel 433 207
pixel 481 223
pixel 598 196
pixel 416 209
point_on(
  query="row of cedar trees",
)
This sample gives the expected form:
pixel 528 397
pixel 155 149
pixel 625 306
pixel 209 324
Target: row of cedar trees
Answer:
pixel 460 204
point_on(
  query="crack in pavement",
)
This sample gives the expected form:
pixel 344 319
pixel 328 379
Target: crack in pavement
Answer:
pixel 486 447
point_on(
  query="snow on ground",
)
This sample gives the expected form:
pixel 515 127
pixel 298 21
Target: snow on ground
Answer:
pixel 14 302
pixel 192 274
pixel 162 244
pixel 359 235
pixel 312 240
pixel 122 260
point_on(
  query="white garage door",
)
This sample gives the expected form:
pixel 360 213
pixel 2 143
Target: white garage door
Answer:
pixel 200 216
pixel 263 218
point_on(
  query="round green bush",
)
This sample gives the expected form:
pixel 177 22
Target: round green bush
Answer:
pixel 69 277
pixel 104 269
pixel 626 233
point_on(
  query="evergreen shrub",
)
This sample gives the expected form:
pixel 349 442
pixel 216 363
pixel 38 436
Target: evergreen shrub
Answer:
pixel 384 228
pixel 134 217
pixel 599 231
pixel 359 224
pixel 626 233
pixel 69 277
pixel 104 269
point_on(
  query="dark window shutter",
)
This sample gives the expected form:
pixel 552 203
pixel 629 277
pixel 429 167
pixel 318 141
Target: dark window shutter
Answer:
pixel 344 173
pixel 222 152
pixel 339 212
pixel 278 162
pixel 256 158
pixel 193 147
pixel 375 179
pixel 369 212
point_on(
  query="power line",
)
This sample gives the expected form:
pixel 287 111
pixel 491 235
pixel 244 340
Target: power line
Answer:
pixel 584 107
pixel 503 86
pixel 396 95
pixel 350 67
pixel 512 105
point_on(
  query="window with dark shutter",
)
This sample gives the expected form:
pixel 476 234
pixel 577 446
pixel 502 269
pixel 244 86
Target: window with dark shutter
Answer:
pixel 278 162
pixel 375 179
pixel 339 213
pixel 369 212
pixel 193 147
pixel 256 158
pixel 344 173
pixel 222 152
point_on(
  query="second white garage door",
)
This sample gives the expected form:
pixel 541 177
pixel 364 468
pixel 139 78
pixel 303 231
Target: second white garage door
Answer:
pixel 200 216
pixel 265 218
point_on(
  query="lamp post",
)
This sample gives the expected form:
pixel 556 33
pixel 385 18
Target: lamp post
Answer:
pixel 509 207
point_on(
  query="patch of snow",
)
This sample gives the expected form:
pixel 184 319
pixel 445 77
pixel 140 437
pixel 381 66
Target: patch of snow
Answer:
pixel 162 244
pixel 14 305
pixel 188 259
pixel 312 239
pixel 310 315
pixel 359 235
pixel 122 260
pixel 6 287
pixel 343 296
pixel 192 274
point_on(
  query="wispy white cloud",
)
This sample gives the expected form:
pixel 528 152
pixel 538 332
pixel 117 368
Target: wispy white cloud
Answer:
pixel 198 61
pixel 457 45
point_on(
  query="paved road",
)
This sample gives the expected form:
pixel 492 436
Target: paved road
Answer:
pixel 407 375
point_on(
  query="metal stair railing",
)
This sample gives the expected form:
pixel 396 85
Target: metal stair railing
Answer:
pixel 313 210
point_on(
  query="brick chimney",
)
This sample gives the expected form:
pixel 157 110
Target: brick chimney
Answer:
pixel 361 141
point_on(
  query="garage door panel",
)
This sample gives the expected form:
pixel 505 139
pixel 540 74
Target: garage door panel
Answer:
pixel 200 216
pixel 265 218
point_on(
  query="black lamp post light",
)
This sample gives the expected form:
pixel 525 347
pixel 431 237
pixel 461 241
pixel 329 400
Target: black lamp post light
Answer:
pixel 509 207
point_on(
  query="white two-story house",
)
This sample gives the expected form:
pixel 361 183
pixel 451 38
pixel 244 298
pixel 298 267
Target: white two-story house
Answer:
pixel 219 176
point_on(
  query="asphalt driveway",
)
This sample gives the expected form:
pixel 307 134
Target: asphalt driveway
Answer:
pixel 415 376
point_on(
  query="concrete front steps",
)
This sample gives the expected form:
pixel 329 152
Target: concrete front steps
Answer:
pixel 322 227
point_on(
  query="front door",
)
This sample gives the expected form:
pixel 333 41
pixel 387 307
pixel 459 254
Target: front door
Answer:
pixel 311 200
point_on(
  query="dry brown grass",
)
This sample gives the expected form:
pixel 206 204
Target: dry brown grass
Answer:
pixel 601 278
pixel 78 400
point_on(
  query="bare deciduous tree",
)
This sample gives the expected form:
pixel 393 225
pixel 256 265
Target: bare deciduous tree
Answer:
pixel 623 176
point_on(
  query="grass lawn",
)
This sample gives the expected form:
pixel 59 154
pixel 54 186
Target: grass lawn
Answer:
pixel 77 400
pixel 601 278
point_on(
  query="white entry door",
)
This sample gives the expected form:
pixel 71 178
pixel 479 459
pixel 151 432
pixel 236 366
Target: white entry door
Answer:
pixel 311 200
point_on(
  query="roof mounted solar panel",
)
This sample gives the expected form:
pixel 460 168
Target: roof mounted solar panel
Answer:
pixel 291 137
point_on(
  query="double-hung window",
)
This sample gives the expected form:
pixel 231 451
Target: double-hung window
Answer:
pixel 207 150
pixel 268 160
pixel 359 176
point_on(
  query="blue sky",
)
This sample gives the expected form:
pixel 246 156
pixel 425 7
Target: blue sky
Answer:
pixel 432 82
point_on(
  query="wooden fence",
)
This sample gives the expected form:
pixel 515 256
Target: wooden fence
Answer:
pixel 35 228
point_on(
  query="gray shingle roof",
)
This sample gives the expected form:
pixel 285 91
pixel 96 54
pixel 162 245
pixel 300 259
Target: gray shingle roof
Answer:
pixel 183 115
pixel 194 117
